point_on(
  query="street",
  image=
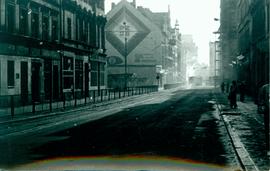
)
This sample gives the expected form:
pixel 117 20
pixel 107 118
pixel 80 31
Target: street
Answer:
pixel 182 124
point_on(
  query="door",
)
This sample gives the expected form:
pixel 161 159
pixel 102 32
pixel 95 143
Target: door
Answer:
pixel 24 82
pixel 35 81
pixel 55 82
pixel 48 79
pixel 86 82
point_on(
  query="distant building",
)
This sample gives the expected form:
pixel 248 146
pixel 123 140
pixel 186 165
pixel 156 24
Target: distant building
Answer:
pixel 50 50
pixel 189 55
pixel 143 41
pixel 212 64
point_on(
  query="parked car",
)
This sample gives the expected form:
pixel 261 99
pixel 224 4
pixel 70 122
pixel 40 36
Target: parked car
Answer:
pixel 263 99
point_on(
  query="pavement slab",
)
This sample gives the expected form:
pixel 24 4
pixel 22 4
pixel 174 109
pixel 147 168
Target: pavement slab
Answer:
pixel 246 129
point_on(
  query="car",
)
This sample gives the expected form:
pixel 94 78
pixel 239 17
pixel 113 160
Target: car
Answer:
pixel 263 99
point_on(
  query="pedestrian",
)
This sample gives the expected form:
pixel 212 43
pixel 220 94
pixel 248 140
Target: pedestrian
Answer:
pixel 242 91
pixel 232 95
pixel 227 87
pixel 222 86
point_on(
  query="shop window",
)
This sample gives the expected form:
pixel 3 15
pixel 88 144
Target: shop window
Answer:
pixel 68 82
pixel 102 79
pixel 23 21
pixel 68 63
pixel 10 18
pixel 34 25
pixel 94 73
pixel 68 73
pixel 47 78
pixel 78 74
pixel 11 74
pixel 102 74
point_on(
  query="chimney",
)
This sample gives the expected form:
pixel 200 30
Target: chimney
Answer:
pixel 113 5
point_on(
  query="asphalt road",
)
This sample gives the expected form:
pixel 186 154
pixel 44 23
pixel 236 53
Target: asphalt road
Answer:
pixel 181 124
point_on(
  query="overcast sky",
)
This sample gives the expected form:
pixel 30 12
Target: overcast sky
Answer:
pixel 195 17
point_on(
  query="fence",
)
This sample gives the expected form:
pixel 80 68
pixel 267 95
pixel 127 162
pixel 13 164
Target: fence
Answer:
pixel 18 104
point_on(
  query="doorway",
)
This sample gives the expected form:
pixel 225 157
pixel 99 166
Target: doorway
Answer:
pixel 36 81
pixel 55 82
pixel 86 82
pixel 24 83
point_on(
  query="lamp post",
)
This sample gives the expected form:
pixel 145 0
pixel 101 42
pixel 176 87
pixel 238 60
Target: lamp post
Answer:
pixel 125 53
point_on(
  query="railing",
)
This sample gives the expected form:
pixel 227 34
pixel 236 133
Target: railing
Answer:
pixel 19 104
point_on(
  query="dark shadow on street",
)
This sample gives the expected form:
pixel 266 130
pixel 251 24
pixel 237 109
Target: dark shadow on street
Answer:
pixel 165 129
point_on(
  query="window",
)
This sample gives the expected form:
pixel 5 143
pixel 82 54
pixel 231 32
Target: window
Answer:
pixel 10 18
pixel 98 36
pixel 23 21
pixel 47 78
pixel 34 25
pixel 267 18
pixel 69 28
pixel 85 37
pixel 94 73
pixel 68 72
pixel 54 29
pixel 102 74
pixel 81 30
pixel 45 28
pixel 78 74
pixel 68 63
pixel 11 75
pixel 103 37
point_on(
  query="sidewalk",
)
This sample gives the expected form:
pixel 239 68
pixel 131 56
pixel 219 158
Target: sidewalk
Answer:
pixel 246 129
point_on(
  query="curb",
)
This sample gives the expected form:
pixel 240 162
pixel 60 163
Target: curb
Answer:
pixel 69 110
pixel 245 161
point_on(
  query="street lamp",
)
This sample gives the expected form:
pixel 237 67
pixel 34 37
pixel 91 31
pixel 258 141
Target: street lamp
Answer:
pixel 125 53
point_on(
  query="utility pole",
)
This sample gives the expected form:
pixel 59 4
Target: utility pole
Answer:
pixel 125 53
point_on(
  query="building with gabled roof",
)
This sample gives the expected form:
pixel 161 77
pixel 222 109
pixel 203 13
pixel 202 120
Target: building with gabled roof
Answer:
pixel 138 46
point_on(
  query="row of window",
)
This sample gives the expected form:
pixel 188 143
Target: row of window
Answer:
pixel 68 78
pixel 30 22
pixel 28 17
pixel 88 32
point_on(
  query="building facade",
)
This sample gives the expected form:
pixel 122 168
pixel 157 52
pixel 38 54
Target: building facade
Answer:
pixel 140 47
pixel 189 55
pixel 247 25
pixel 228 39
pixel 50 50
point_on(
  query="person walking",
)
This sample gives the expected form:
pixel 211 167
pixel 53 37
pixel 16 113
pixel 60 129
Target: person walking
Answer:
pixel 227 86
pixel 232 95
